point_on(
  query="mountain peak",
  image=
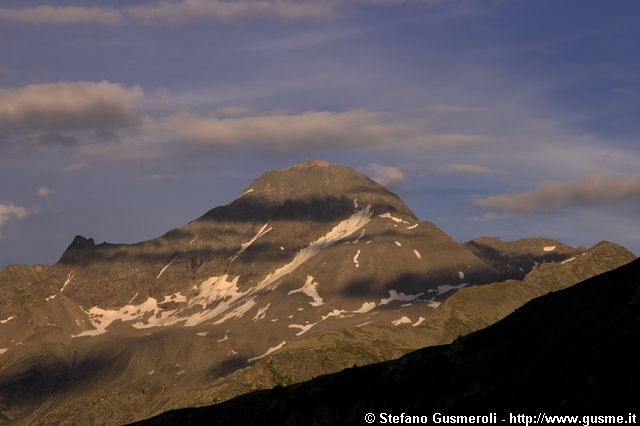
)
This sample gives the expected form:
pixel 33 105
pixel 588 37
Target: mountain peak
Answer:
pixel 319 180
pixel 78 246
pixel 314 163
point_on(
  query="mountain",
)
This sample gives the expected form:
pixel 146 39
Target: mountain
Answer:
pixel 568 352
pixel 469 309
pixel 309 258
pixel 514 259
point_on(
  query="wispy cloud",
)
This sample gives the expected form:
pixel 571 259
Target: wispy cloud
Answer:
pixel 596 189
pixel 44 192
pixel 188 11
pixel 159 177
pixel 389 176
pixel 98 114
pixel 454 109
pixel 192 11
pixel 49 109
pixel 168 12
pixel 10 212
pixel 61 15
pixel 463 168
pixel 74 167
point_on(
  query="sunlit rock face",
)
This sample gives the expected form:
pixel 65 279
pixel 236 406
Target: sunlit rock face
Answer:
pixel 302 251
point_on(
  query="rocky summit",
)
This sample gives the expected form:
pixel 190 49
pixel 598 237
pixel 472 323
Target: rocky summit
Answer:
pixel 115 333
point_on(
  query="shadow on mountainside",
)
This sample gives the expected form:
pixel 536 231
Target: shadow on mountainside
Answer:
pixel 569 352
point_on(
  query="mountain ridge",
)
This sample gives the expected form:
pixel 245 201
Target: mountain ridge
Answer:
pixel 302 252
pixel 487 371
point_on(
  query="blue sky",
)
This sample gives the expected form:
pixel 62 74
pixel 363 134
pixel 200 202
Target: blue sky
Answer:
pixel 504 117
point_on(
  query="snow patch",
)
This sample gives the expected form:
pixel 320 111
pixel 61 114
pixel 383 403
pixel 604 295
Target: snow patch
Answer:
pixel 335 313
pixel 53 296
pixel 3 350
pixel 175 297
pixel 262 312
pixel 357 240
pixel 395 219
pixel 461 275
pixel 355 204
pixel 310 289
pixel 417 253
pixel 355 259
pixel 246 245
pixel 69 278
pixel 568 260
pixel 216 291
pixel 268 352
pixel 399 244
pixel 403 320
pixel 100 318
pixel 193 241
pixel 248 191
pixel 232 352
pixel 433 304
pixel 420 321
pixel 133 298
pixel 413 226
pixel 401 297
pixel 442 289
pixel 549 248
pixel 303 328
pixel 366 307
pixel 202 334
pixel 225 338
pixel 165 268
pixel 238 312
pixel 340 231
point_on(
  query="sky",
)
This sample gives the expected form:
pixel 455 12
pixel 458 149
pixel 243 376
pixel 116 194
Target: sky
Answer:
pixel 513 118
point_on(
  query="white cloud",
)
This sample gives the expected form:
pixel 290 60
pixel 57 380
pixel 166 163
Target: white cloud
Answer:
pixel 44 112
pixel 596 189
pixel 295 132
pixel 100 113
pixel 10 212
pixel 74 167
pixel 454 109
pixel 47 14
pixel 387 176
pixel 68 105
pixel 183 12
pixel 187 11
pixel 44 192
pixel 159 177
pixel 464 168
pixel 169 12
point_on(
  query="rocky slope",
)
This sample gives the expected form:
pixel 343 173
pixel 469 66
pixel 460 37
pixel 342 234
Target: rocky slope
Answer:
pixel 569 352
pixel 469 309
pixel 303 250
pixel 307 261
pixel 515 258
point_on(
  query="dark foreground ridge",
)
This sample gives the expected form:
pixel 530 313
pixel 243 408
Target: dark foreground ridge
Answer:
pixel 569 352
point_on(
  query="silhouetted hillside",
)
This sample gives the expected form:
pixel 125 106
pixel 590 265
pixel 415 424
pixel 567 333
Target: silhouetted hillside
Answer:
pixel 572 351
